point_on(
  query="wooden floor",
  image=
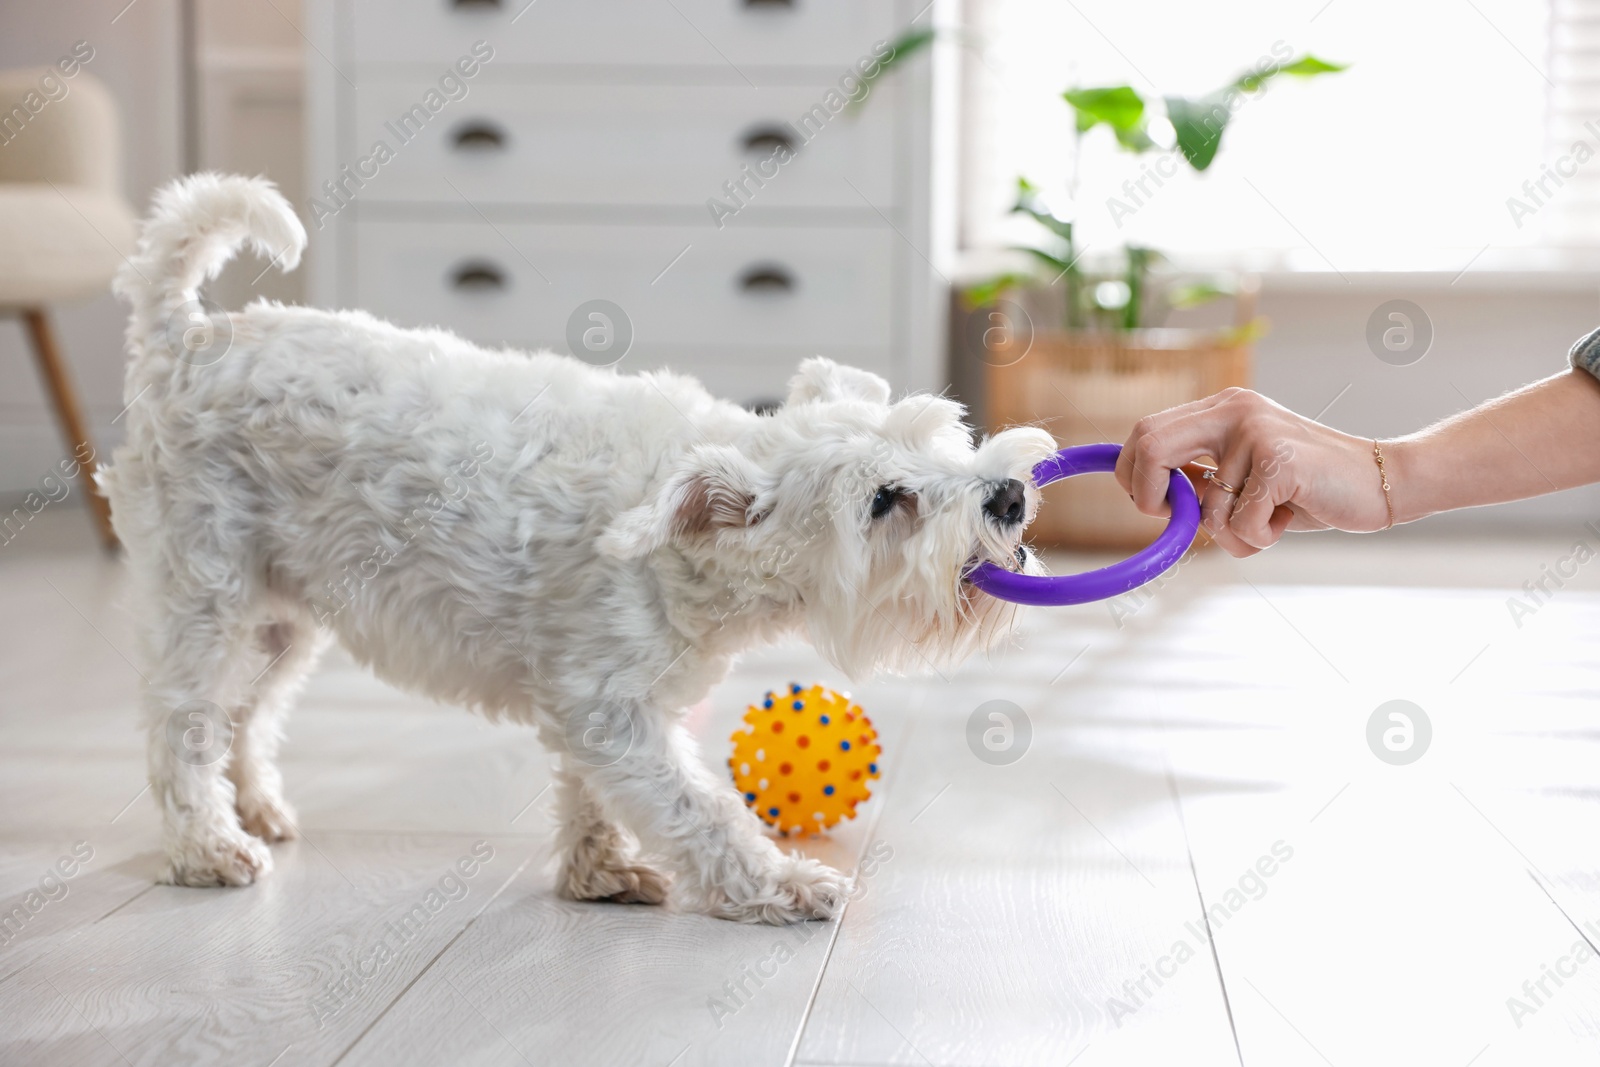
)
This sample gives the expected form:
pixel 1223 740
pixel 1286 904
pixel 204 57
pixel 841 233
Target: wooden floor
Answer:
pixel 1198 859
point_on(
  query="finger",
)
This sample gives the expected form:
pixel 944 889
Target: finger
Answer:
pixel 1215 508
pixel 1230 474
pixel 1205 403
pixel 1197 477
pixel 1223 496
pixel 1203 433
pixel 1128 458
pixel 1123 471
pixel 1256 510
pixel 1282 517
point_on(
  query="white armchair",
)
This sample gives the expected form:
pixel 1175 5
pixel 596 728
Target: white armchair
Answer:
pixel 64 227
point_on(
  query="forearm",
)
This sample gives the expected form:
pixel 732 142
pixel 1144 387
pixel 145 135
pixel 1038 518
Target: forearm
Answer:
pixel 1539 439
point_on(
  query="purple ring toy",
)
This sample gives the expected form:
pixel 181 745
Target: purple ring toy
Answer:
pixel 1106 582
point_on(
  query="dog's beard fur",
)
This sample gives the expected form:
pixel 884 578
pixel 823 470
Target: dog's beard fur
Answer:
pixel 780 525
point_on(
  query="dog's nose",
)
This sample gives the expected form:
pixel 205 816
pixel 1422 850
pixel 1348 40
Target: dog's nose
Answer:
pixel 1007 502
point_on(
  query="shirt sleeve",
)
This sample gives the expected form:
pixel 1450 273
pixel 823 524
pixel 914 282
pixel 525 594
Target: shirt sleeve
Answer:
pixel 1585 355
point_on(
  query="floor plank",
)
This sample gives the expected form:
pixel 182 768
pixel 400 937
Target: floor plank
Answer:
pixel 304 961
pixel 543 980
pixel 1018 901
pixel 1411 909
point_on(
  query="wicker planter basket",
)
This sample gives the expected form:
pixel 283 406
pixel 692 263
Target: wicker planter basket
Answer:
pixel 1087 387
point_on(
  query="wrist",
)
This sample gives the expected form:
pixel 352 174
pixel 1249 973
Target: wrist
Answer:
pixel 1408 463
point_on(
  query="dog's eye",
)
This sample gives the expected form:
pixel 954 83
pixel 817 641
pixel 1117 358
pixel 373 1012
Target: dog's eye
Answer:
pixel 888 496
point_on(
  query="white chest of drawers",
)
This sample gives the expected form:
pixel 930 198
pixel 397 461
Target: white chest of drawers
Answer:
pixel 490 167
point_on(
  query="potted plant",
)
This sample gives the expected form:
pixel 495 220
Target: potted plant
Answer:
pixel 1079 344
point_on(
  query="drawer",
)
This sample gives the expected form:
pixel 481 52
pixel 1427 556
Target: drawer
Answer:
pixel 512 143
pixel 756 375
pixel 707 33
pixel 696 293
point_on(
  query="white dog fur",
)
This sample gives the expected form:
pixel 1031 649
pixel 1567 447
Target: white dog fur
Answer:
pixel 570 547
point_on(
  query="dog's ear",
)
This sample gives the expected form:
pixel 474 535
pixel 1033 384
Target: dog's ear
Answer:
pixel 715 489
pixel 823 379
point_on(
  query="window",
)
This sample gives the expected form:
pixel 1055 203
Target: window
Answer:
pixel 1413 159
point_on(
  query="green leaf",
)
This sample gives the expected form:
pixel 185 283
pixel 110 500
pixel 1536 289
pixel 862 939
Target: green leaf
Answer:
pixel 1195 294
pixel 1250 332
pixel 1136 139
pixel 1142 258
pixel 1062 228
pixel 1137 279
pixel 1198 126
pixel 1305 67
pixel 1117 106
pixel 901 49
pixel 1198 123
pixel 1308 65
pixel 987 292
pixel 1057 265
pixel 1029 203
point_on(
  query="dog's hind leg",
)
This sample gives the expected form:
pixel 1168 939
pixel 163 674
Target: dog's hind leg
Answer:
pixel 648 774
pixel 198 644
pixel 289 648
pixel 599 858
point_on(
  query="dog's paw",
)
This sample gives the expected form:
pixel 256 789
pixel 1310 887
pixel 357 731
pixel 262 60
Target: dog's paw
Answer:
pixel 228 858
pixel 796 890
pixel 267 818
pixel 631 883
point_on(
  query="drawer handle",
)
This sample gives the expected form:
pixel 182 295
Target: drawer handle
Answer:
pixel 767 279
pixel 478 276
pixel 474 5
pixel 478 137
pixel 766 140
pixel 768 5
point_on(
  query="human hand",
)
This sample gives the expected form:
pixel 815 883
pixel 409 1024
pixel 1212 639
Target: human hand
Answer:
pixel 1290 472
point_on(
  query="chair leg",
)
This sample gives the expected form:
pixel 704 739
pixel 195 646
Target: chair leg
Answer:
pixel 70 418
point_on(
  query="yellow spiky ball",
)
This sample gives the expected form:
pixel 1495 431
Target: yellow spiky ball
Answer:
pixel 804 757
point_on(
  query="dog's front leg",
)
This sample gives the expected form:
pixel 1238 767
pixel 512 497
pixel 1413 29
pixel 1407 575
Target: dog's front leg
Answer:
pixel 648 774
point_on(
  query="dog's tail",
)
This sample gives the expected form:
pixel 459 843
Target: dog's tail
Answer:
pixel 196 226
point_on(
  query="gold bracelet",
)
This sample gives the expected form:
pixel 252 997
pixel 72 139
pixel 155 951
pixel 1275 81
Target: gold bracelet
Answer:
pixel 1383 476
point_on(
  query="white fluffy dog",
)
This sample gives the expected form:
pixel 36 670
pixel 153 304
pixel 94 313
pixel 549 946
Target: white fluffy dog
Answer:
pixel 566 546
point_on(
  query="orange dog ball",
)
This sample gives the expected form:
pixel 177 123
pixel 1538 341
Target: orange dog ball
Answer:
pixel 804 757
